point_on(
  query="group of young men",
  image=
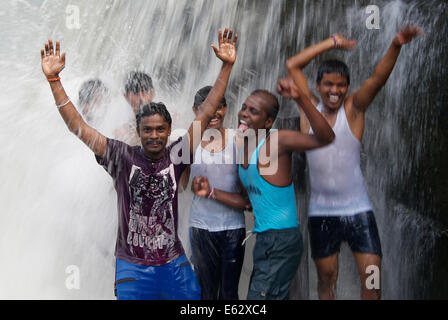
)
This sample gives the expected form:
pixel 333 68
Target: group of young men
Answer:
pixel 150 259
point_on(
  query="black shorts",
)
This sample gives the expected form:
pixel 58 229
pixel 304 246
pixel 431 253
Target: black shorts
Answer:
pixel 360 232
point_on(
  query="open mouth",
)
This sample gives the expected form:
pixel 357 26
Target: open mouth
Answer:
pixel 333 98
pixel 243 126
pixel 213 122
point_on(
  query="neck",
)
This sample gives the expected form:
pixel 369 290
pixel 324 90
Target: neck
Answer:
pixel 152 155
pixel 330 111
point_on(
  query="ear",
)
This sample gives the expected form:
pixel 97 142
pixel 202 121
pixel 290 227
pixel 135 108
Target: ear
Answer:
pixel 138 131
pixel 149 96
pixel 195 111
pixel 268 123
pixel 224 108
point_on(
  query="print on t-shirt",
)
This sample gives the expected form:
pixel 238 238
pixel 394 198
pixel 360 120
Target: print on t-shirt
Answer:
pixel 155 231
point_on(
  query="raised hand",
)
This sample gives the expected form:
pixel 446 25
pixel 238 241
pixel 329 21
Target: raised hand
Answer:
pixel 287 88
pixel 201 186
pixel 344 43
pixel 406 34
pixel 52 61
pixel 227 48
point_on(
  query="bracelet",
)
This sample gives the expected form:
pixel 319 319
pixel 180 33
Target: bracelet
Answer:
pixel 212 194
pixel 335 41
pixel 64 104
pixel 54 79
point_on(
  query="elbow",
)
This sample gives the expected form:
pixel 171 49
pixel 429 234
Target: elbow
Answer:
pixel 328 139
pixel 290 65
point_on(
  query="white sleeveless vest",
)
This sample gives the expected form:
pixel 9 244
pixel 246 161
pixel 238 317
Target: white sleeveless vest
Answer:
pixel 337 184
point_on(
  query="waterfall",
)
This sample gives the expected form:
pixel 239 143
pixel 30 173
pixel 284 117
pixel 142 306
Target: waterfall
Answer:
pixel 58 206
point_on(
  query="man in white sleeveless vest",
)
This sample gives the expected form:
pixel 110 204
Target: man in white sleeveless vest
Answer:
pixel 340 209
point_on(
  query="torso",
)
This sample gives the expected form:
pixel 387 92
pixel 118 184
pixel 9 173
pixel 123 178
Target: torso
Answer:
pixel 337 184
pixel 281 177
pixel 222 172
pixel 355 118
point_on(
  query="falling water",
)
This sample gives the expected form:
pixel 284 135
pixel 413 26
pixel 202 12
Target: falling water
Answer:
pixel 58 207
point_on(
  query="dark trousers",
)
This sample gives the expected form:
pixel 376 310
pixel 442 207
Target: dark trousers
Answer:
pixel 218 259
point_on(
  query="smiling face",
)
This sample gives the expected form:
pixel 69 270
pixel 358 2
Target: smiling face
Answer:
pixel 154 131
pixel 254 114
pixel 218 119
pixel 332 89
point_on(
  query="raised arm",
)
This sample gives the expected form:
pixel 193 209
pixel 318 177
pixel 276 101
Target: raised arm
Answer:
pixel 227 54
pixel 201 187
pixel 297 63
pixel 295 141
pixel 365 95
pixel 53 62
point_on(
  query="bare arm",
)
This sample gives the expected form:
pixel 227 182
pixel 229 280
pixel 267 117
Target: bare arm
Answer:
pixel 52 64
pixel 202 188
pixel 297 63
pixel 370 88
pixel 290 140
pixel 227 54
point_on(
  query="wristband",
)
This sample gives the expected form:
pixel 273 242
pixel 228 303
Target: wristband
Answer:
pixel 335 41
pixel 212 194
pixel 54 79
pixel 64 104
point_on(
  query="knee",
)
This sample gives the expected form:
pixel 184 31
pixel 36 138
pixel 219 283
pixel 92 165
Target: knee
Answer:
pixel 328 277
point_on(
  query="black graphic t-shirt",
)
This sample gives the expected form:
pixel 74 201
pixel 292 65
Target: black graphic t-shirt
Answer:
pixel 147 201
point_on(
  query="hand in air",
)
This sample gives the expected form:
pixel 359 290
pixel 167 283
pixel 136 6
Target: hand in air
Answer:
pixel 344 43
pixel 287 88
pixel 406 34
pixel 201 186
pixel 52 61
pixel 227 47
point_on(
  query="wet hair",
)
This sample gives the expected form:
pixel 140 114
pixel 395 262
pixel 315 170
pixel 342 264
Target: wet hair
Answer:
pixel 152 109
pixel 333 66
pixel 89 89
pixel 138 82
pixel 271 100
pixel 202 94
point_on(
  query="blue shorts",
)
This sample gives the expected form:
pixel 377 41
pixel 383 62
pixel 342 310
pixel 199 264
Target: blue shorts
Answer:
pixel 360 232
pixel 173 281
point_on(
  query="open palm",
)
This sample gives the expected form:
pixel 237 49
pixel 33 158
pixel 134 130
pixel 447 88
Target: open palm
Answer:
pixel 227 48
pixel 52 61
pixel 407 34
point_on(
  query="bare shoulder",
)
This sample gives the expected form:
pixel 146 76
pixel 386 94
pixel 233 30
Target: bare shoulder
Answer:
pixel 355 118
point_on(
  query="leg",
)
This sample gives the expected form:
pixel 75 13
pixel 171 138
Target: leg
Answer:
pixel 364 241
pixel 179 280
pixel 327 272
pixel 325 238
pixel 370 278
pixel 136 282
pixel 231 263
pixel 277 256
pixel 206 260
